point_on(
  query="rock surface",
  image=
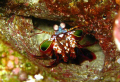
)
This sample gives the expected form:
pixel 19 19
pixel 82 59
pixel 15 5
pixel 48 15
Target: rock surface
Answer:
pixel 94 17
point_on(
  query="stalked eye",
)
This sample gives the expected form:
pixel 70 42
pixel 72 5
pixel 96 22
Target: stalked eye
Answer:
pixel 62 25
pixel 55 27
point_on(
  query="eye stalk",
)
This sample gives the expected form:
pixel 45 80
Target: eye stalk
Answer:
pixel 55 27
pixel 62 25
pixel 59 29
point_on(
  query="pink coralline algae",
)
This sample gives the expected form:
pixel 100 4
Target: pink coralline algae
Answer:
pixel 116 31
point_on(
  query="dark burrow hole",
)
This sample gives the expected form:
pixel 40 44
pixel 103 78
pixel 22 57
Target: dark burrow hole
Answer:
pixel 3 3
pixel 82 54
pixel 104 16
pixel 49 23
